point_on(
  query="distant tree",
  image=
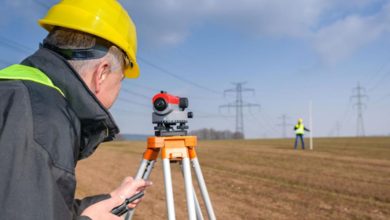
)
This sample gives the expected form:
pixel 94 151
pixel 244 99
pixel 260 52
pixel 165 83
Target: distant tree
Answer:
pixel 212 134
pixel 238 135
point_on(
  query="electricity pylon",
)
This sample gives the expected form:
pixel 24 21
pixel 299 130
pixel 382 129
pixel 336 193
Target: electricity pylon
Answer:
pixel 284 125
pixel 239 104
pixel 359 96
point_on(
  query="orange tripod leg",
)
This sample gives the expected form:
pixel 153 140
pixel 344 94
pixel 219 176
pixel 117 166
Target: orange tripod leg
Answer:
pixel 181 149
pixel 176 149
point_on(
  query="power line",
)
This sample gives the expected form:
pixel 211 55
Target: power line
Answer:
pixel 264 123
pixel 381 80
pixel 24 49
pixel 239 105
pixel 135 93
pixel 382 98
pixel 343 119
pixel 148 88
pixel 142 114
pixel 266 118
pixel 177 76
pixel 335 130
pixel 212 116
pixel 338 127
pixel 5 62
pixel 201 114
pixel 43 5
pixel 284 125
pixel 15 45
pixel 375 74
pixel 134 102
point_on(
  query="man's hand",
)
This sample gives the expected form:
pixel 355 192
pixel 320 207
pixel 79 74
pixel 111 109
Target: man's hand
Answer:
pixel 129 187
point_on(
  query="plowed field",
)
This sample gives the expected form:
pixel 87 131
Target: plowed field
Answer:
pixel 343 178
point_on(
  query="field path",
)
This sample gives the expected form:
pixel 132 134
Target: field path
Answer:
pixel 344 178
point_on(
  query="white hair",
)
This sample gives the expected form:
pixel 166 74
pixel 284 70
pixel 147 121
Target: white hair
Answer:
pixel 72 39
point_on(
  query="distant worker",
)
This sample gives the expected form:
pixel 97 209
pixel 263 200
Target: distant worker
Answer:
pixel 300 131
pixel 54 112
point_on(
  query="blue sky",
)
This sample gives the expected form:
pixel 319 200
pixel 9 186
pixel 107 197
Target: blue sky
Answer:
pixel 290 52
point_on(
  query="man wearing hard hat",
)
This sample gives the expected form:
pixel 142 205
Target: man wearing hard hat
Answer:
pixel 53 112
pixel 300 131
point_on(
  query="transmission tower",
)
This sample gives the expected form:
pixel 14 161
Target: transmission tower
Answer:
pixel 239 104
pixel 359 96
pixel 284 125
pixel 338 128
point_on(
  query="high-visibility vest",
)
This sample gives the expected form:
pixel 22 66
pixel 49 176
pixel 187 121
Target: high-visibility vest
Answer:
pixel 300 129
pixel 22 72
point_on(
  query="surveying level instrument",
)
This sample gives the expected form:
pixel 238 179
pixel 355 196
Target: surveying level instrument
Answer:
pixel 170 111
pixel 170 116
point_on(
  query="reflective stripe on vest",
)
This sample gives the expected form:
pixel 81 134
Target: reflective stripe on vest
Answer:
pixel 22 72
pixel 300 129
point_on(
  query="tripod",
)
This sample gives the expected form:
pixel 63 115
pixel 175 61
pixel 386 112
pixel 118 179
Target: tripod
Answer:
pixel 176 149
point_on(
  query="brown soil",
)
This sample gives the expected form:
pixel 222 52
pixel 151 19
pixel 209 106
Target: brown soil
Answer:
pixel 345 178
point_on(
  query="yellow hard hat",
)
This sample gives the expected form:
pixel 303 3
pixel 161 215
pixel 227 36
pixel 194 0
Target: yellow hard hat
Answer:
pixel 106 19
pixel 300 120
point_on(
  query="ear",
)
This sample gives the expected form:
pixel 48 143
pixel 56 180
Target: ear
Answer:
pixel 100 75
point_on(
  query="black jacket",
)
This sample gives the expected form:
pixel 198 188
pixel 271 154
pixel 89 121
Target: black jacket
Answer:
pixel 42 136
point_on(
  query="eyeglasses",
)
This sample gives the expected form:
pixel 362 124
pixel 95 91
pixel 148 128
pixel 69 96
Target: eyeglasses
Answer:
pixel 127 61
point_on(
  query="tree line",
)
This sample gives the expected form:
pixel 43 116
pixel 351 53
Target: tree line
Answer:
pixel 212 134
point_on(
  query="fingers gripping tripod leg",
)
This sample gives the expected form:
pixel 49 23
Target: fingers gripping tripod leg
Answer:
pixel 144 171
pixel 177 148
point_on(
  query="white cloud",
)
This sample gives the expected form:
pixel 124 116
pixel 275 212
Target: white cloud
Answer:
pixel 166 21
pixel 340 39
pixel 275 18
pixel 160 19
pixel 335 28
